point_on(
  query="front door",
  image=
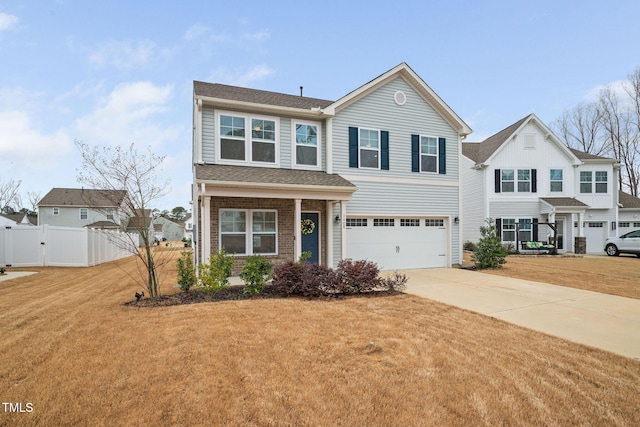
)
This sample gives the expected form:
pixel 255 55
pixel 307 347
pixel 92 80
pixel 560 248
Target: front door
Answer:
pixel 560 235
pixel 310 229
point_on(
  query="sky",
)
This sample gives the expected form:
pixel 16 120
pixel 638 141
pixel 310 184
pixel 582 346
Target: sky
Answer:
pixel 121 72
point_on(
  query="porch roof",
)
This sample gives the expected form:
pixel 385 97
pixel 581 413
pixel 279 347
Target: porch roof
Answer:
pixel 564 202
pixel 270 178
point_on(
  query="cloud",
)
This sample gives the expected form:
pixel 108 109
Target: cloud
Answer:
pixel 20 141
pixel 241 76
pixel 130 113
pixel 125 55
pixel 196 31
pixel 259 36
pixel 617 86
pixel 7 21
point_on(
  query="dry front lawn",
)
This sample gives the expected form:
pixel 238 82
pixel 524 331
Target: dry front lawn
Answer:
pixel 70 348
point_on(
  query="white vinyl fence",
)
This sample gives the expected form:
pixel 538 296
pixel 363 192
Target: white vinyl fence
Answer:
pixel 46 245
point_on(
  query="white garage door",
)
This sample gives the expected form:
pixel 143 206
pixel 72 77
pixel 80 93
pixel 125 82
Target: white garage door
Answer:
pixel 595 232
pixel 398 243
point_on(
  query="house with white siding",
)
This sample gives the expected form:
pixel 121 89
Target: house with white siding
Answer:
pixel 525 178
pixel 373 175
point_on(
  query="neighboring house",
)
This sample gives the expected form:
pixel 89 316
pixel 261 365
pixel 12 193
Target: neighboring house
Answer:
pixel 15 219
pixel 373 175
pixel 187 224
pixel 628 213
pixel 79 207
pixel 142 222
pixel 524 176
pixel 170 230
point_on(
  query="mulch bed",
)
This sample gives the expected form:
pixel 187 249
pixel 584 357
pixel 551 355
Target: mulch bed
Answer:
pixel 234 293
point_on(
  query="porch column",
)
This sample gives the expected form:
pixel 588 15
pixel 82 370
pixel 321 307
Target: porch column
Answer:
pixel 297 229
pixel 343 228
pixel 205 230
pixel 329 221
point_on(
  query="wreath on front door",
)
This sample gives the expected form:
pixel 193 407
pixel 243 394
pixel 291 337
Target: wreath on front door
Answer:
pixel 307 226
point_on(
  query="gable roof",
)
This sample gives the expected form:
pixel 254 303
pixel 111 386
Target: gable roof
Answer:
pixel 587 156
pixel 628 201
pixel 17 218
pixel 259 99
pixel 564 202
pixel 61 197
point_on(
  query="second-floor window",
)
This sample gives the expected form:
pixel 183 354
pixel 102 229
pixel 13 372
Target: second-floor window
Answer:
pixel 110 214
pixel 555 180
pixel 601 181
pixel 307 145
pixel 515 180
pixel 369 148
pixel 56 211
pixel 428 154
pixel 587 183
pixel 247 139
pixel 84 213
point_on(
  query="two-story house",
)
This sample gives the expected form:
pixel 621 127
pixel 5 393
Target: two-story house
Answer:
pixel 80 207
pixel 524 178
pixel 373 175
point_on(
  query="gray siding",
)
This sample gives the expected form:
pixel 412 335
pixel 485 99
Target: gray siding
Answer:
pixel 512 209
pixel 208 135
pixel 473 197
pixel 378 110
pixel 69 217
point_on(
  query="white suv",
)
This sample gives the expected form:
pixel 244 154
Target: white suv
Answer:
pixel 627 243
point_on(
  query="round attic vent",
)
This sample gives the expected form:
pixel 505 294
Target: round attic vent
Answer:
pixel 400 98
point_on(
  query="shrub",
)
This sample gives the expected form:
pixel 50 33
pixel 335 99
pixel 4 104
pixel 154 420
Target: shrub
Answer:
pixel 255 274
pixel 305 256
pixel 489 252
pixel 214 276
pixel 396 282
pixel 186 271
pixel 358 276
pixel 288 279
pixel 469 246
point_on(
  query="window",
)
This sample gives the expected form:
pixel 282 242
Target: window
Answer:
pixel 555 180
pixel 110 214
pixel 524 181
pixel 409 222
pixel 508 230
pixel 84 213
pixel 428 154
pixel 624 224
pixel 594 224
pixel 524 230
pixel 383 222
pixel 507 181
pixel 56 211
pixel 601 181
pixel 246 232
pixel 434 222
pixel 306 144
pixel 356 222
pixel 238 144
pixel 636 224
pixel 369 148
pixel 586 178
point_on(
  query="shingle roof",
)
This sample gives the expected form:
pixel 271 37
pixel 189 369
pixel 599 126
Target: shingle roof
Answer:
pixel 628 201
pixel 587 156
pixel 103 225
pixel 83 197
pixel 247 174
pixel 564 202
pixel 255 96
pixel 480 152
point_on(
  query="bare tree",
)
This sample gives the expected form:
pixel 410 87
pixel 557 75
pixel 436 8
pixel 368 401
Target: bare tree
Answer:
pixel 124 169
pixel 9 196
pixel 34 198
pixel 581 128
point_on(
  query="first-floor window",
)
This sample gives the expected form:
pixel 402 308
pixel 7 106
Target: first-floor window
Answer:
pixel 524 230
pixel 84 213
pixel 508 230
pixel 246 232
pixel 523 225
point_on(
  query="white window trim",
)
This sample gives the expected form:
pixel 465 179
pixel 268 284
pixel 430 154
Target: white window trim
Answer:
pixel 56 211
pixel 515 180
pixel 561 181
pixel 379 149
pixel 437 155
pixel 294 144
pixel 591 181
pixel 247 139
pixel 248 234
pixel 80 214
pixel 515 229
pixel 596 182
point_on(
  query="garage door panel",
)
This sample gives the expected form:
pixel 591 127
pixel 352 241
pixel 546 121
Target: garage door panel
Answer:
pixel 398 246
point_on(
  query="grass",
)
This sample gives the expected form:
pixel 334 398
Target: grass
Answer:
pixel 70 347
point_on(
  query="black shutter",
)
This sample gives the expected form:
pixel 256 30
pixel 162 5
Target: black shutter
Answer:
pixel 353 147
pixel 535 230
pixel 442 156
pixel 415 153
pixel 497 180
pixel 534 182
pixel 384 150
pixel 499 228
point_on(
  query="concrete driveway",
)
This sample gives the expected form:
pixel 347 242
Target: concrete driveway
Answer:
pixel 607 322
